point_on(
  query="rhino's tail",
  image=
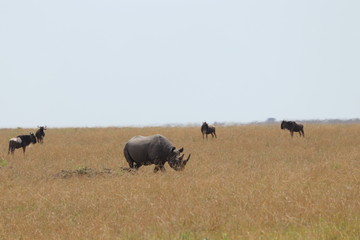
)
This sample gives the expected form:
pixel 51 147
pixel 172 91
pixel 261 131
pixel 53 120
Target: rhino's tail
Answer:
pixel 128 157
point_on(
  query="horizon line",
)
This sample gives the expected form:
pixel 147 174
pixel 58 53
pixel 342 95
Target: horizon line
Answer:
pixel 217 123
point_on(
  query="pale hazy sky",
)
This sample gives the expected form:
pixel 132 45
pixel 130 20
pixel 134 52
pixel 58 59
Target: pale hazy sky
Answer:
pixel 119 63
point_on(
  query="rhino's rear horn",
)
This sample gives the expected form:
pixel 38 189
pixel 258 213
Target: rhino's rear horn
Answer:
pixel 181 157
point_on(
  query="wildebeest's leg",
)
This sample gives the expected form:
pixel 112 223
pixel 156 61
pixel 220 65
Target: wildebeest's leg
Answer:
pixel 215 134
pixel 291 133
pixel 24 147
pixel 11 149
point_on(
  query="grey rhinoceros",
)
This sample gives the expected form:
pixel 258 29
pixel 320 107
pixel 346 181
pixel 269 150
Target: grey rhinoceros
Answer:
pixel 155 149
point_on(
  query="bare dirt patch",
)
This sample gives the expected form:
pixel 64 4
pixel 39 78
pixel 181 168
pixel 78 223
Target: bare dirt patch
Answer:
pixel 90 172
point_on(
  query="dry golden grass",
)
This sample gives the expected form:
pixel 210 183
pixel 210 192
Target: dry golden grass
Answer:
pixel 252 182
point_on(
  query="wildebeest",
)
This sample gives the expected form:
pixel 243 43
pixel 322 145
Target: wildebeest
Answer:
pixel 155 149
pixel 40 134
pixel 208 129
pixel 293 127
pixel 21 141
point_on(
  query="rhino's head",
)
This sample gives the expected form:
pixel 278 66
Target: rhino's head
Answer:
pixel 176 160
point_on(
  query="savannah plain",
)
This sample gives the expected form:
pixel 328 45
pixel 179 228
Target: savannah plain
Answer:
pixel 252 182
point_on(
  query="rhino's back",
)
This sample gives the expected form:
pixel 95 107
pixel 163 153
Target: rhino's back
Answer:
pixel 148 148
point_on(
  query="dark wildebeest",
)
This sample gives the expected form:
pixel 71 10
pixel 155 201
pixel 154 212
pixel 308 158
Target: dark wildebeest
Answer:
pixel 21 141
pixel 208 129
pixel 155 149
pixel 40 134
pixel 293 127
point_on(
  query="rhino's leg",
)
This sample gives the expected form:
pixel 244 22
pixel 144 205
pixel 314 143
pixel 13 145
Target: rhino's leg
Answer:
pixel 137 166
pixel 128 158
pixel 159 167
pixel 134 165
pixel 131 163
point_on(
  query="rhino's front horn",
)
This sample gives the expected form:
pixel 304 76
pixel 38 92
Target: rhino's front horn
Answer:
pixel 187 158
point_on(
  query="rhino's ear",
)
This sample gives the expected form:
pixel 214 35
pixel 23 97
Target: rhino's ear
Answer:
pixel 181 149
pixel 172 149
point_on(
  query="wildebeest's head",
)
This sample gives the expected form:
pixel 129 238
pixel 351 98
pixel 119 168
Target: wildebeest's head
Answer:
pixel 284 124
pixel 42 128
pixel 176 161
pixel 204 126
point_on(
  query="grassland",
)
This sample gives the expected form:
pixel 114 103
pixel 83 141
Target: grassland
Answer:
pixel 252 182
